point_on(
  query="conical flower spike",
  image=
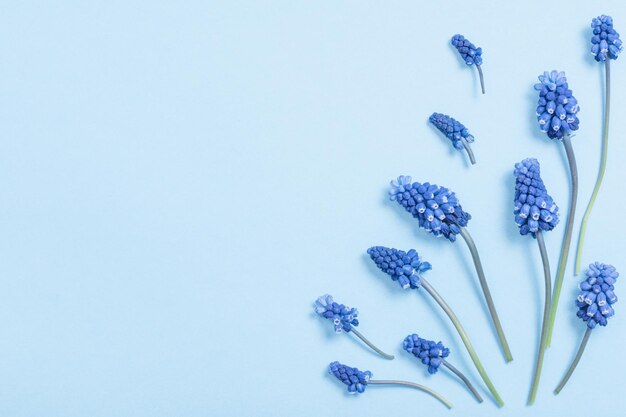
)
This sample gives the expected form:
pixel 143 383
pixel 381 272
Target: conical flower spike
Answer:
pixel 470 54
pixel 455 131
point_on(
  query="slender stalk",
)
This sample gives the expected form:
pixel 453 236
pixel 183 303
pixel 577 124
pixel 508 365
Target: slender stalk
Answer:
pixel 482 80
pixel 466 341
pixel 464 379
pixel 605 148
pixel 468 149
pixel 579 354
pixel 370 344
pixel 546 313
pixel 483 284
pixel 567 239
pixel 412 385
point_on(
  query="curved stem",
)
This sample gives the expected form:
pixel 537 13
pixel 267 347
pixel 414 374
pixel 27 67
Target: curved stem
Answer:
pixel 596 189
pixel 482 80
pixel 464 379
pixel 412 385
pixel 466 341
pixel 469 151
pixel 581 349
pixel 567 239
pixel 483 284
pixel 370 344
pixel 546 312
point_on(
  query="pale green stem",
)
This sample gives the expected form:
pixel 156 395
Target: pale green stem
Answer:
pixel 463 378
pixel 468 149
pixel 370 344
pixel 482 80
pixel 412 385
pixel 579 354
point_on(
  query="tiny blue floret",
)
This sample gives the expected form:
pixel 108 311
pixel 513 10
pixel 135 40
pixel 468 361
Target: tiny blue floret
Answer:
pixel 355 380
pixel 470 53
pixel 430 353
pixel 596 298
pixel 403 267
pixel 453 129
pixel 557 108
pixel 605 42
pixel 343 317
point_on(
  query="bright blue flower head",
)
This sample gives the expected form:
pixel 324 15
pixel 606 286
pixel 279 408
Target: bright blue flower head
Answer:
pixel 453 129
pixel 403 267
pixel 596 296
pixel 343 317
pixel 470 54
pixel 355 380
pixel 437 208
pixel 557 108
pixel 429 352
pixel 605 42
pixel 534 208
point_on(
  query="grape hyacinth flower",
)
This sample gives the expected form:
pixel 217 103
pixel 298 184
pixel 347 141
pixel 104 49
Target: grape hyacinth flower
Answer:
pixel 404 266
pixel 433 355
pixel 344 319
pixel 557 114
pixel 605 46
pixel 470 54
pixel 357 381
pixel 535 213
pixel 439 212
pixel 595 306
pixel 455 131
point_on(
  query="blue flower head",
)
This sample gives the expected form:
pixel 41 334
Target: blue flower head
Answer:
pixel 429 352
pixel 605 42
pixel 534 208
pixel 596 298
pixel 470 53
pixel 437 208
pixel 453 129
pixel 355 380
pixel 403 267
pixel 343 317
pixel 557 108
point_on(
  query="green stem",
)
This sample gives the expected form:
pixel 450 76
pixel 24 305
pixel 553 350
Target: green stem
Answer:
pixel 483 284
pixel 466 341
pixel 370 344
pixel 482 80
pixel 412 385
pixel 567 239
pixel 468 149
pixel 463 378
pixel 579 354
pixel 596 189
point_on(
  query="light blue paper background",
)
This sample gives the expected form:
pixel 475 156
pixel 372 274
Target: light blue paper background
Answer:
pixel 180 180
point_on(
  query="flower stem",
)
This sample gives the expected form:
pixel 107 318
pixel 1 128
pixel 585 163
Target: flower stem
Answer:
pixel 468 149
pixel 596 189
pixel 546 313
pixel 483 284
pixel 581 349
pixel 468 344
pixel 370 344
pixel 412 385
pixel 567 239
pixel 464 379
pixel 482 79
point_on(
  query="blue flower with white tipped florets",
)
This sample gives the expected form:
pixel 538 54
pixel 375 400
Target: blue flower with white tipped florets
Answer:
pixel 605 42
pixel 557 108
pixel 343 317
pixel 534 208
pixel 355 380
pixel 437 208
pixel 470 53
pixel 403 267
pixel 429 352
pixel 453 129
pixel 596 296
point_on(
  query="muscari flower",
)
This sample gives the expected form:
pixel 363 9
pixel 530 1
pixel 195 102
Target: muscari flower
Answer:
pixel 470 54
pixel 605 42
pixel 455 131
pixel 427 351
pixel 557 108
pixel 342 317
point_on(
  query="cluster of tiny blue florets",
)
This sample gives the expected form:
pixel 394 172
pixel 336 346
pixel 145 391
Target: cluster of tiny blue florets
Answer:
pixel 355 380
pixel 343 317
pixel 557 108
pixel 437 208
pixel 596 295
pixel 605 42
pixel 453 129
pixel 534 208
pixel 470 53
pixel 403 267
pixel 429 352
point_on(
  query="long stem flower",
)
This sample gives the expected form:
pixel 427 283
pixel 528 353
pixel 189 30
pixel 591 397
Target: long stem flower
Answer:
pixel 605 46
pixel 438 211
pixel 406 268
pixel 455 131
pixel 470 54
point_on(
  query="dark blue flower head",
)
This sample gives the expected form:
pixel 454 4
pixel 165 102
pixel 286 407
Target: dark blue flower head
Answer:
pixel 429 352
pixel 596 296
pixel 557 108
pixel 470 54
pixel 343 317
pixel 605 42
pixel 403 267
pixel 534 208
pixel 437 208
pixel 355 380
pixel 453 129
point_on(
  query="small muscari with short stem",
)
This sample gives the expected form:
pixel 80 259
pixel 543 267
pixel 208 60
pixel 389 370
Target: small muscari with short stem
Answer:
pixel 470 54
pixel 455 131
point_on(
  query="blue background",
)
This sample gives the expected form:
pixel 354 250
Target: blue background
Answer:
pixel 181 180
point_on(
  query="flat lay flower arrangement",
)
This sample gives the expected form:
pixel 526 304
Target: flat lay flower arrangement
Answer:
pixel 438 212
